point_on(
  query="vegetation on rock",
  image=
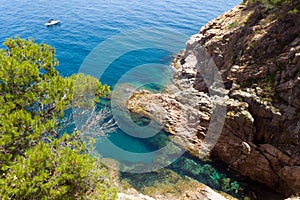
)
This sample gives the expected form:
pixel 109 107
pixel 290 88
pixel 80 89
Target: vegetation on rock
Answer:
pixel 256 47
pixel 37 159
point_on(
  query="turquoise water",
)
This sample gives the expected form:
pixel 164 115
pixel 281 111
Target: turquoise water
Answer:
pixel 87 23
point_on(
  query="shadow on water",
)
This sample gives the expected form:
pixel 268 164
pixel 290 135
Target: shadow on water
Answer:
pixel 183 175
pixel 188 169
pixel 186 173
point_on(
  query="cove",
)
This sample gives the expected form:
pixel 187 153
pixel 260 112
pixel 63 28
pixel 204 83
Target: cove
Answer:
pixel 182 173
pixel 186 169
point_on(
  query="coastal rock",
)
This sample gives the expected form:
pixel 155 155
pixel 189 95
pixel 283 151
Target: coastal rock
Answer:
pixel 173 187
pixel 122 196
pixel 201 192
pixel 257 138
pixel 257 56
pixel 204 193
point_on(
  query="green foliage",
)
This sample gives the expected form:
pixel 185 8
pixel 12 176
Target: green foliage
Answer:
pixel 232 25
pixel 55 171
pixel 252 45
pixel 36 161
pixel 271 2
pixel 228 185
pixel 294 11
pixel 275 2
pixel 268 93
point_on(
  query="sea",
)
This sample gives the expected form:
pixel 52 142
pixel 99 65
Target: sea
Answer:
pixel 87 24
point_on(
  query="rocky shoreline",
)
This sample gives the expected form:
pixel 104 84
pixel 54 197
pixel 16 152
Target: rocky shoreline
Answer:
pixel 256 48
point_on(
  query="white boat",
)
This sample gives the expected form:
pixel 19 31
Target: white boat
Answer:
pixel 52 22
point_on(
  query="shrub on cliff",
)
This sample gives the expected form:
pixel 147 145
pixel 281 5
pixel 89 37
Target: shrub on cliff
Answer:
pixel 38 161
pixel 272 2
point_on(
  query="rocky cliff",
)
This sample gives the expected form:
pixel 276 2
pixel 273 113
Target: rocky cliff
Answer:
pixel 256 49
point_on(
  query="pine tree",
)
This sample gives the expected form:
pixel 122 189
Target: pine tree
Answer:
pixel 38 161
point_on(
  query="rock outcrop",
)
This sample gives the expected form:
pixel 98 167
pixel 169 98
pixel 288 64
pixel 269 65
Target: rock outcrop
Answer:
pixel 256 49
pixel 173 187
pixel 202 192
pixel 123 196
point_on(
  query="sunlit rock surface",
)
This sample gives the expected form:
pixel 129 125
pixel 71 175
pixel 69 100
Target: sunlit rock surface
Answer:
pixel 256 49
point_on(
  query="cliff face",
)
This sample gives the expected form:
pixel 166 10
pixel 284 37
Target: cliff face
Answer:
pixel 256 48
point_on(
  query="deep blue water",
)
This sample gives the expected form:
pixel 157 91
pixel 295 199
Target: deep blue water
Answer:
pixel 87 23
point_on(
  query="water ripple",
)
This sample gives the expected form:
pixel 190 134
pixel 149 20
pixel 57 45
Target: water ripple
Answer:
pixel 86 23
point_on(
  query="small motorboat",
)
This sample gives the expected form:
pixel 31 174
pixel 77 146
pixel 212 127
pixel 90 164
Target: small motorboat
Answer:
pixel 52 22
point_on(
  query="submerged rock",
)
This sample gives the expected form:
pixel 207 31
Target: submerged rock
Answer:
pixel 257 55
pixel 166 184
